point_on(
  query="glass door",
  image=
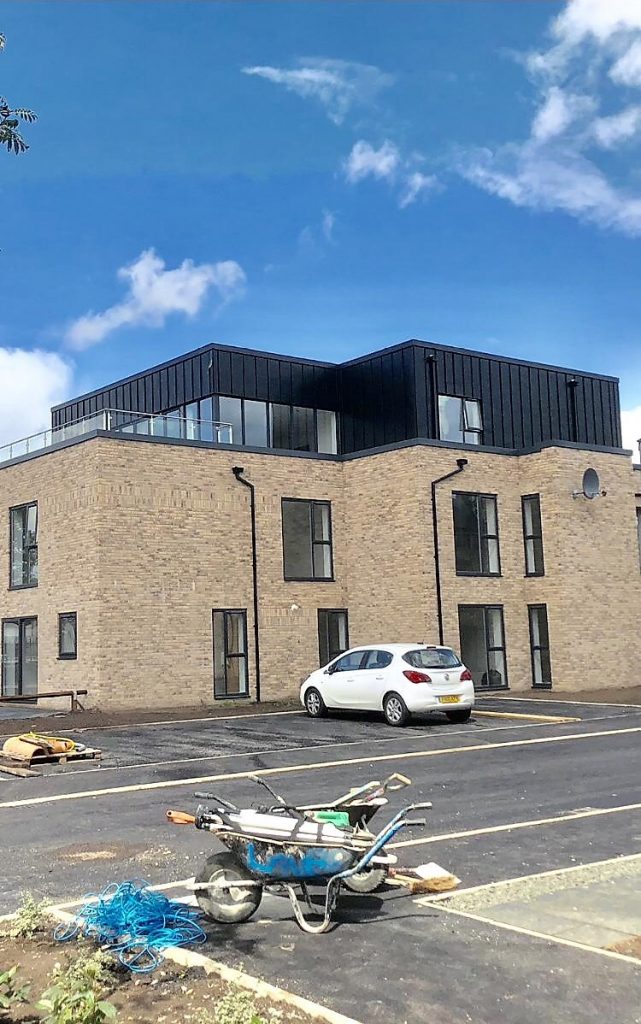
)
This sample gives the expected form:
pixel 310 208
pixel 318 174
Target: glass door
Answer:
pixel 19 657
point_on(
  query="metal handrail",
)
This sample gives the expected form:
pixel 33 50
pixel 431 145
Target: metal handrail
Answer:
pixel 122 421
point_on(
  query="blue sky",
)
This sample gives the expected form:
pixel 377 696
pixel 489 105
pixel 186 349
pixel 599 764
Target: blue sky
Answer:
pixel 320 179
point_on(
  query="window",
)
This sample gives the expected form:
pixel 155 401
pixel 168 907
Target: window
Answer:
pixel 639 533
pixel 24 546
pixel 333 633
pixel 540 646
pixel 483 644
pixel 230 411
pixel 68 635
pixel 307 539
pixel 460 419
pixel 19 657
pixel 378 659
pixel 327 433
pixel 255 423
pixel 476 534
pixel 437 657
pixel 207 418
pixel 350 663
pixel 532 535
pixel 303 434
pixel 230 653
pixel 279 417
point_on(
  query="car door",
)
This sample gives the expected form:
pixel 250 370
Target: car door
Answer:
pixel 372 679
pixel 340 689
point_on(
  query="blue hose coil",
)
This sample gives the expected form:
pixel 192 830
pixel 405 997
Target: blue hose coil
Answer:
pixel 135 923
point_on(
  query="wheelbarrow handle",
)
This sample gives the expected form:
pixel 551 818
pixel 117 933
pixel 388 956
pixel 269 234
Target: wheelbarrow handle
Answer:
pixel 212 796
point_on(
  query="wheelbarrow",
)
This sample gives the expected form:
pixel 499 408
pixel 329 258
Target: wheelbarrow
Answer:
pixel 275 851
pixel 356 807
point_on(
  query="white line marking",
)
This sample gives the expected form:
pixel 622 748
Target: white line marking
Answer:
pixel 182 721
pixel 541 935
pixel 313 766
pixel 559 700
pixel 559 819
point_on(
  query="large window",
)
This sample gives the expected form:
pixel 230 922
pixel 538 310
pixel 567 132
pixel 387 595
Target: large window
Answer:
pixel 19 657
pixel 533 535
pixel 333 633
pixel 68 636
pixel 483 644
pixel 24 546
pixel 540 646
pixel 231 678
pixel 307 539
pixel 476 534
pixel 460 419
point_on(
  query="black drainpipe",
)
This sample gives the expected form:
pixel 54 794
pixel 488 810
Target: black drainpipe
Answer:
pixel 461 464
pixel 238 471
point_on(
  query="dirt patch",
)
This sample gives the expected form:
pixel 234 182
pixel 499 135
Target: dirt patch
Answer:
pixel 78 720
pixel 631 947
pixel 170 994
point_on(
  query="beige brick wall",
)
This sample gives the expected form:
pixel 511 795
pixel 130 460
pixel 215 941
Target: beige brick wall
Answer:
pixel 144 539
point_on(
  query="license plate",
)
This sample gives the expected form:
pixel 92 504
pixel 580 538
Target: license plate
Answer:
pixel 453 699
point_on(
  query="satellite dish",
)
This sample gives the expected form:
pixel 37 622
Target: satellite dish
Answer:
pixel 590 486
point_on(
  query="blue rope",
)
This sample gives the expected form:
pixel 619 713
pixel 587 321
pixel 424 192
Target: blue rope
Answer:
pixel 135 923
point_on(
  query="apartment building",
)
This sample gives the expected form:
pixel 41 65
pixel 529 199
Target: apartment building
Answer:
pixel 216 527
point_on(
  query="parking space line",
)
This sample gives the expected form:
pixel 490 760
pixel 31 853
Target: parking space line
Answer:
pixel 558 719
pixel 540 935
pixel 559 819
pixel 559 700
pixel 184 721
pixel 314 766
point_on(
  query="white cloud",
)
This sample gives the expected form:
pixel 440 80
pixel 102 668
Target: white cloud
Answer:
pixel 328 225
pixel 581 110
pixel 154 293
pixel 365 161
pixel 387 164
pixel 338 85
pixel 631 425
pixel 30 383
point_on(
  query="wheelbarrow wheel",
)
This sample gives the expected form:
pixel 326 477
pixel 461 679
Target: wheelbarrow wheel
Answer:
pixel 368 880
pixel 228 905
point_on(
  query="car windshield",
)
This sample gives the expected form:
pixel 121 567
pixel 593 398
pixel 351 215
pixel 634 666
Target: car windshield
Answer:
pixel 432 657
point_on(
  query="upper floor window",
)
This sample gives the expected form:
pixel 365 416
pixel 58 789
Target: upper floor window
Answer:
pixel 533 535
pixel 459 419
pixel 307 539
pixel 476 534
pixel 23 545
pixel 68 635
pixel 639 533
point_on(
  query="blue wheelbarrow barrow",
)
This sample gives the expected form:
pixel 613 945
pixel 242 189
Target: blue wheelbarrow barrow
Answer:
pixel 276 851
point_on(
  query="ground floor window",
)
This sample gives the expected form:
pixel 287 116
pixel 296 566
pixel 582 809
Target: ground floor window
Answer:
pixel 482 636
pixel 231 677
pixel 333 633
pixel 540 646
pixel 19 657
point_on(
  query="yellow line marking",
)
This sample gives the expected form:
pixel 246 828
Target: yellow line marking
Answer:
pixel 314 766
pixel 541 935
pixel 443 837
pixel 558 719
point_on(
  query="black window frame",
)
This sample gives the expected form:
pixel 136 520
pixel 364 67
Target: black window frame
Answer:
pixel 542 684
pixel 313 504
pixel 533 537
pixel 482 537
pixel 68 656
pixel 324 615
pixel 18 621
pixel 26 548
pixel 226 612
pixel 488 647
pixel 464 425
pixel 639 535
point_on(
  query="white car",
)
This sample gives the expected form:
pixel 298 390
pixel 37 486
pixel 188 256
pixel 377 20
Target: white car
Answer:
pixel 397 679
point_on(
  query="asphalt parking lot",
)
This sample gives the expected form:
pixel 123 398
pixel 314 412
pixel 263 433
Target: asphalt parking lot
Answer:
pixel 512 797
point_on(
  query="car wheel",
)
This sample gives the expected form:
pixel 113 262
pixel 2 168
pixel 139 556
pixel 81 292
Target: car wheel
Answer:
pixel 395 710
pixel 229 904
pixel 368 880
pixel 314 703
pixel 459 716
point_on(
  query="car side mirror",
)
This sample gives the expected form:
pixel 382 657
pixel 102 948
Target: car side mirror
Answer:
pixel 329 670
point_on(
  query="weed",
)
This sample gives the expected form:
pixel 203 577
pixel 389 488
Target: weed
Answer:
pixel 11 993
pixel 75 996
pixel 32 917
pixel 91 969
pixel 236 1007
